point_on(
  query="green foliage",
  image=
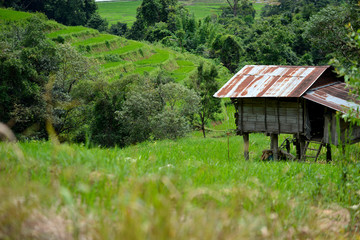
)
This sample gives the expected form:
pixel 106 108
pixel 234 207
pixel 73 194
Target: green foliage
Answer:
pixel 349 68
pixel 169 124
pixel 25 5
pixel 271 43
pixel 97 22
pixel 205 85
pixel 229 51
pixel 68 12
pixel 328 34
pixel 140 106
pixel 38 81
pixel 156 107
pixel 157 32
pixel 245 9
pixel 137 31
pixel 68 107
pixel 26 61
pixel 306 7
pixel 148 14
pixel 119 29
pixel 71 12
pixel 105 129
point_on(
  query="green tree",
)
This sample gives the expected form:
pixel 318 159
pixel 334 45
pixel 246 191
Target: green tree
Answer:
pixel 27 58
pixel 141 105
pixel 151 12
pixel 271 43
pixel 205 85
pixel 119 29
pixel 180 105
pixel 25 5
pixel 328 34
pixel 105 129
pixel 228 50
pixel 68 106
pixel 350 70
pixel 97 22
pixel 157 32
pixel 40 81
pixel 240 8
pixel 70 12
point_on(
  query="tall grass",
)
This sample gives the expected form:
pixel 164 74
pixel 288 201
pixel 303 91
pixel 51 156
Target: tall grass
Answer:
pixel 180 189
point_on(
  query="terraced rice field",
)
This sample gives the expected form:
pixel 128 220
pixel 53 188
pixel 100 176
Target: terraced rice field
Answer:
pixel 119 11
pixel 125 11
pixel 8 15
pixel 119 56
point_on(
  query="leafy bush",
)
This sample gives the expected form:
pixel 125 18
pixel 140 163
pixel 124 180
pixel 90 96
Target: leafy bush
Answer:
pixel 119 29
pixel 97 22
pixel 169 124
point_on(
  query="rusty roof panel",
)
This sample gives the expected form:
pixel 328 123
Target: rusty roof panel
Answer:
pixel 270 81
pixel 334 96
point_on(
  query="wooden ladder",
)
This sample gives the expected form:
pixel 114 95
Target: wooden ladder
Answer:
pixel 313 151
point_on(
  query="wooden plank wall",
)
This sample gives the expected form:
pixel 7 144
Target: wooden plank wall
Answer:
pixel 269 115
pixel 348 133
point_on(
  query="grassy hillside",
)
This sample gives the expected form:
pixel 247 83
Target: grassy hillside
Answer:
pixel 118 56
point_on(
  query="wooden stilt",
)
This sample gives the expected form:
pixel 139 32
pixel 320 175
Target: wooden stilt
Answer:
pixel 302 148
pixel 246 145
pixel 297 146
pixel 328 153
pixel 275 146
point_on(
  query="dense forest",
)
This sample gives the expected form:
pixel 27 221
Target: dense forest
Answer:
pixel 48 87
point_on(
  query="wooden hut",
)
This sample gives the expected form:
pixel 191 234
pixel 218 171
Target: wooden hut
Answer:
pixel 298 100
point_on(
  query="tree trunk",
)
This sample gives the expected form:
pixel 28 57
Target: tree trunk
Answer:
pixel 203 130
pixel 202 118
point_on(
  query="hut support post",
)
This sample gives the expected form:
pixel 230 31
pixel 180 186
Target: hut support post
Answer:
pixel 297 146
pixel 246 145
pixel 302 148
pixel 328 153
pixel 275 145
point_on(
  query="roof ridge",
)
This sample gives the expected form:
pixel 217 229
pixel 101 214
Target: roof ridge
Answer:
pixel 323 86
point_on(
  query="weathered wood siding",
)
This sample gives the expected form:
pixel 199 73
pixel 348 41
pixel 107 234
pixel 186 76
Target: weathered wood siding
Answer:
pixel 339 132
pixel 269 115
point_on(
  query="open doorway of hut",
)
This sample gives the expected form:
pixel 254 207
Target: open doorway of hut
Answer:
pixel 316 116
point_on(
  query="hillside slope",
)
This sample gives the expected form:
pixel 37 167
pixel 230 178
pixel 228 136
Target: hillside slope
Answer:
pixel 118 56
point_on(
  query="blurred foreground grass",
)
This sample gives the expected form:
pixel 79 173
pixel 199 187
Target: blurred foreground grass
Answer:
pixel 183 189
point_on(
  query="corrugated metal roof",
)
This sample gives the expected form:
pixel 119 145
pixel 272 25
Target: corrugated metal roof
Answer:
pixel 270 81
pixel 334 96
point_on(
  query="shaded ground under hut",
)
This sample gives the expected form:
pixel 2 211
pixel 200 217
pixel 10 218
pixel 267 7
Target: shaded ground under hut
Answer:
pixel 299 100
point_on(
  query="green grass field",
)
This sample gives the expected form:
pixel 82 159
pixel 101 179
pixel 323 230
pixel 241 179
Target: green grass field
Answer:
pixel 10 15
pixel 183 189
pixel 101 38
pixel 70 30
pixel 125 11
pixel 119 11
